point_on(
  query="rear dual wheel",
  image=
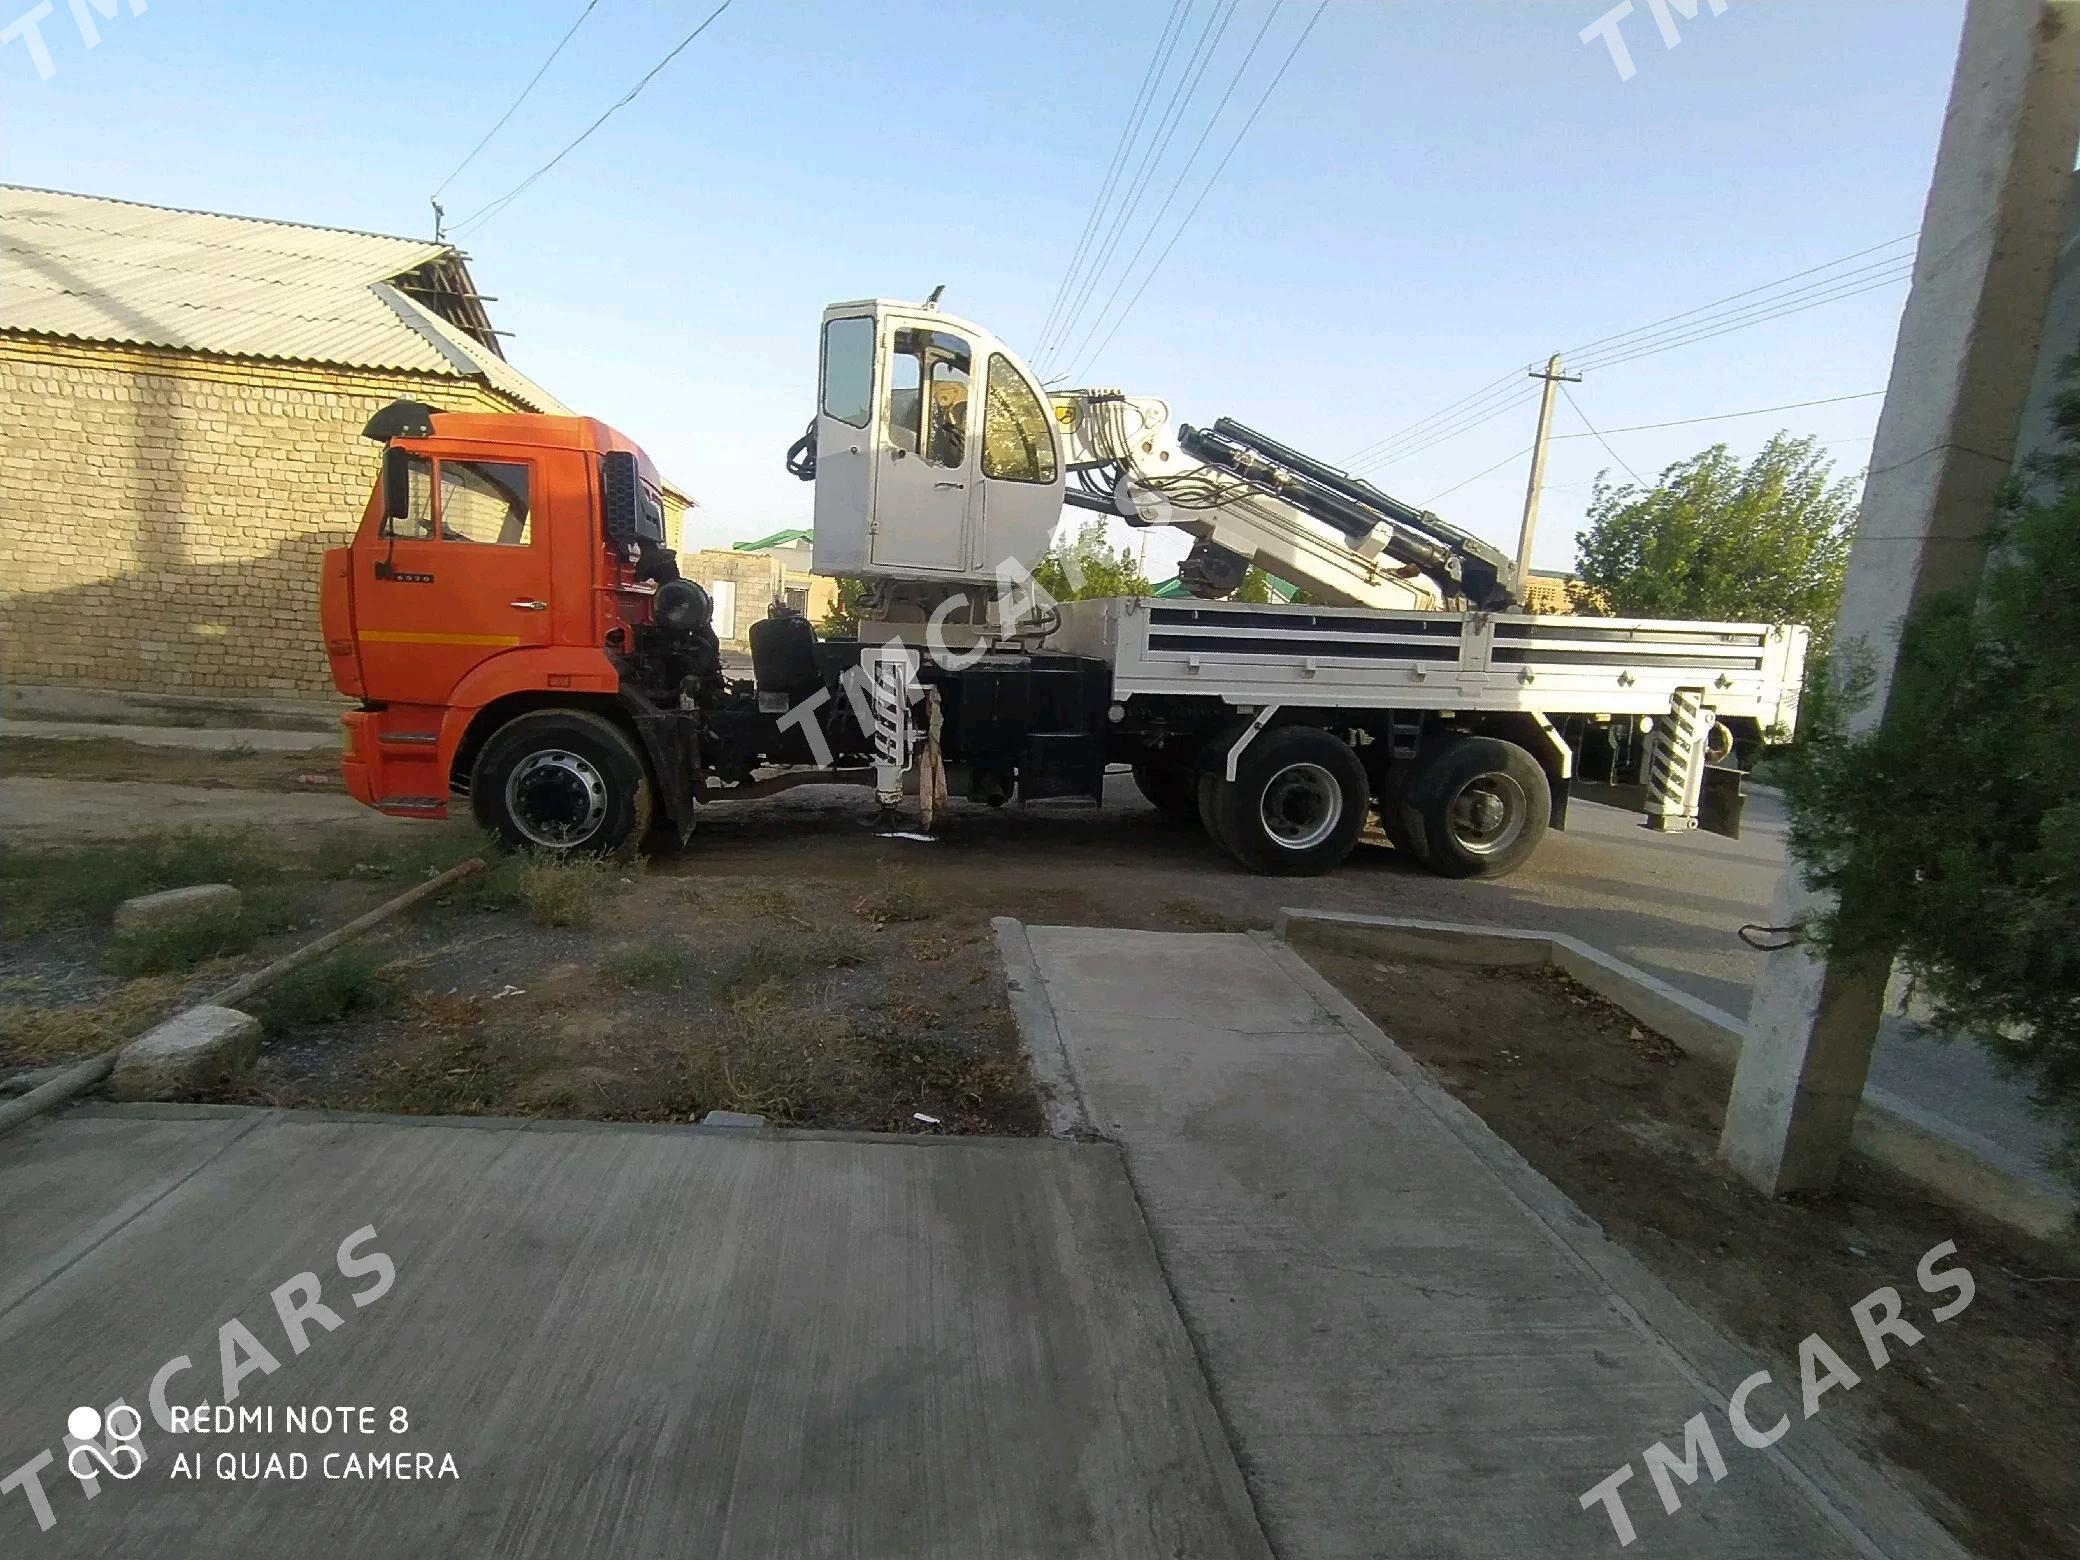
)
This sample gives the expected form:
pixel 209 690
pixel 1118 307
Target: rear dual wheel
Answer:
pixel 1295 807
pixel 1469 807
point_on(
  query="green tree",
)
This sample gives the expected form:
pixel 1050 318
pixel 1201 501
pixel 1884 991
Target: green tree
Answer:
pixel 840 619
pixel 1100 569
pixel 1766 542
pixel 1950 834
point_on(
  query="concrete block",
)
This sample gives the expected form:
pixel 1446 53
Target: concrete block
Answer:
pixel 176 904
pixel 190 1051
pixel 733 1118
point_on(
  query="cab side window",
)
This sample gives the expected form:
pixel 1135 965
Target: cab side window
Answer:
pixel 484 501
pixel 477 501
pixel 927 406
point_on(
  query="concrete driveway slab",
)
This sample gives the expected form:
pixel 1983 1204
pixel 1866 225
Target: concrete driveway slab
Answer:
pixel 631 1341
pixel 1410 1358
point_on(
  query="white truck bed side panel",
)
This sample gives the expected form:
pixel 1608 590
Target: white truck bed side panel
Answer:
pixel 1359 658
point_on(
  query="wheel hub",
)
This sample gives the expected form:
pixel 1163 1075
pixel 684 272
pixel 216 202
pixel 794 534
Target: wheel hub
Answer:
pixel 1489 814
pixel 557 798
pixel 1302 806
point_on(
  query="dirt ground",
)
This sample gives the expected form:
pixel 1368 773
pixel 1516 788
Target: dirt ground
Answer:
pixel 109 758
pixel 1984 1412
pixel 612 993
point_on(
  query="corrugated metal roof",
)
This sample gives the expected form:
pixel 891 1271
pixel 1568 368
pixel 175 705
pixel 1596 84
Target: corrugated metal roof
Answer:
pixel 92 269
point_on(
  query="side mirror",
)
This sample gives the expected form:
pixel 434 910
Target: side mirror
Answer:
pixel 620 496
pixel 397 484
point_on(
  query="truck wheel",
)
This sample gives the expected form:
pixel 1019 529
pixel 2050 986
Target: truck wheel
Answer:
pixel 1171 789
pixel 562 780
pixel 1476 807
pixel 1388 803
pixel 1296 805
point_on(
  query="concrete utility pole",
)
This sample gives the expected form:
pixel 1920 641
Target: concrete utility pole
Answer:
pixel 1968 342
pixel 1536 487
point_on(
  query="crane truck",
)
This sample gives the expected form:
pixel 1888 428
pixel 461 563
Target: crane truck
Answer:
pixel 514 633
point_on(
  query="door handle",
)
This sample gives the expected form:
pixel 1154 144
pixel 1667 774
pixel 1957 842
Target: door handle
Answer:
pixel 949 484
pixel 528 604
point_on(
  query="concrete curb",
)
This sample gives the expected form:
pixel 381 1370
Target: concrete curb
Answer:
pixel 1874 1514
pixel 1067 1114
pixel 1946 1159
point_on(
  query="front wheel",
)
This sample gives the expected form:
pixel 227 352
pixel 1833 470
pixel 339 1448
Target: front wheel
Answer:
pixel 562 780
pixel 1475 807
pixel 1296 805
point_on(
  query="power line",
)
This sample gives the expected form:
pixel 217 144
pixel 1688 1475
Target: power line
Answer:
pixel 1760 411
pixel 484 214
pixel 1600 439
pixel 1647 340
pixel 1478 417
pixel 1747 293
pixel 1722 326
pixel 1181 96
pixel 1177 184
pixel 1165 43
pixel 1753 314
pixel 590 7
pixel 1448 492
pixel 1509 379
pixel 1212 179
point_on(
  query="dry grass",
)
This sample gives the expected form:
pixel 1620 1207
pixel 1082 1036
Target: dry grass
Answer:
pixel 896 897
pixel 33 1034
pixel 791 958
pixel 562 890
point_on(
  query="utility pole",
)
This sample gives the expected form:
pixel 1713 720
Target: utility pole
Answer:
pixel 1553 378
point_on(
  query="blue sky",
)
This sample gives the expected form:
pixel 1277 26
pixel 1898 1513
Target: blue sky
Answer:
pixel 1438 192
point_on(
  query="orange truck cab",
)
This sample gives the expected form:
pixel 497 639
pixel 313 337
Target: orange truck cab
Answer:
pixel 514 630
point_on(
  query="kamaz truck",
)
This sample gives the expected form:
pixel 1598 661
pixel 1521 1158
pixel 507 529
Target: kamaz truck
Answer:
pixel 513 629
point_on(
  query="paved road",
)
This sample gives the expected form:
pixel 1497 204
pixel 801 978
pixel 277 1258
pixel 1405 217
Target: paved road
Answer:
pixel 632 1341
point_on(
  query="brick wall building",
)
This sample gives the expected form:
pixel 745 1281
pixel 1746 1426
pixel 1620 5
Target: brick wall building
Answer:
pixel 181 404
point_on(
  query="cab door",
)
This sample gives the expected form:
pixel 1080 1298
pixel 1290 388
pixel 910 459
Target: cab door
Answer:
pixel 924 481
pixel 463 577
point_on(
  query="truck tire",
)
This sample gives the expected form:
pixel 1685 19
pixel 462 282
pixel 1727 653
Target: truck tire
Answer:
pixel 1296 805
pixel 1388 804
pixel 1171 789
pixel 562 780
pixel 1475 807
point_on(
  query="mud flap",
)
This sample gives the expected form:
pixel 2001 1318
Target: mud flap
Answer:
pixel 672 742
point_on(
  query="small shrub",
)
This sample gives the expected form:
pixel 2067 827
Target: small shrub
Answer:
pixel 896 897
pixel 778 958
pixel 657 966
pixel 562 890
pixel 324 993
